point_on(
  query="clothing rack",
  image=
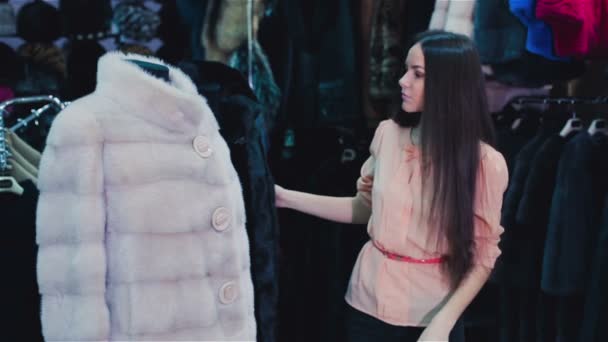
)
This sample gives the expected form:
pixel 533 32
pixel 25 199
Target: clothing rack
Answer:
pixel 520 100
pixel 32 99
pixel 36 113
pixel 52 102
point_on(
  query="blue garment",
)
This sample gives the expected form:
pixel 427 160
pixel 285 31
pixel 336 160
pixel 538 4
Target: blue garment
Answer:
pixel 540 37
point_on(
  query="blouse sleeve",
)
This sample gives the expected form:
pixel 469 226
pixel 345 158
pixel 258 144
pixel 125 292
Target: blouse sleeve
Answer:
pixel 366 182
pixel 366 179
pixel 492 182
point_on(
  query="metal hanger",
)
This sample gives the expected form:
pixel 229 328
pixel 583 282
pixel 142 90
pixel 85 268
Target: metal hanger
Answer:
pixel 598 126
pixel 574 124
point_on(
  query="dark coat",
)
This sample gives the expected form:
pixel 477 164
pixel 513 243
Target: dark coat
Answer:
pixel 18 254
pixel 242 126
pixel 515 236
pixel 593 328
pixel 535 204
pixel 499 35
pixel 575 215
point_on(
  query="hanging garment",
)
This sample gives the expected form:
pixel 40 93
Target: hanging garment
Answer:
pixel 317 249
pixel 533 71
pixel 535 205
pixel 580 28
pixel 241 124
pixel 499 36
pixel 501 40
pixel 515 237
pixel 510 141
pixel 419 15
pixel 520 285
pixel 540 37
pixel 8 25
pixel 453 16
pixel 593 328
pixel 387 53
pixel 192 13
pixel 21 304
pixel 499 95
pixel 265 88
pixel 324 84
pixel 574 217
pixel 141 220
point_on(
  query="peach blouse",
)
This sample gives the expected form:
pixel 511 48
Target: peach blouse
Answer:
pixel 404 293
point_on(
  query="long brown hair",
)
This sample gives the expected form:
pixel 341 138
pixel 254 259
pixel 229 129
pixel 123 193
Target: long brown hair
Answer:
pixel 454 121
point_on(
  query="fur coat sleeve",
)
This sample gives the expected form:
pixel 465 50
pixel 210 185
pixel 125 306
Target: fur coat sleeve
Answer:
pixel 70 231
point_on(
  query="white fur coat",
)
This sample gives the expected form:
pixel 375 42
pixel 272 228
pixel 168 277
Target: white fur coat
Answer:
pixel 454 16
pixel 140 221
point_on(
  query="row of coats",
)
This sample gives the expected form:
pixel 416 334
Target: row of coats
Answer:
pixel 552 218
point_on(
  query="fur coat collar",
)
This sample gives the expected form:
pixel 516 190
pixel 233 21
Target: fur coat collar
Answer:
pixel 176 105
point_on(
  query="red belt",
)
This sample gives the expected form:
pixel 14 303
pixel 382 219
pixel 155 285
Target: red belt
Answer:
pixel 403 258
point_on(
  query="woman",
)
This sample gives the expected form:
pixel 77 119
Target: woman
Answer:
pixel 431 193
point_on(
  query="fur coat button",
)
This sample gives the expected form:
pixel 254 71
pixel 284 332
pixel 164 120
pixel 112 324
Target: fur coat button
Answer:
pixel 221 219
pixel 202 147
pixel 228 293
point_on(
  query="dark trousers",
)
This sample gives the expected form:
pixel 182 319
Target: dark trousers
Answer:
pixel 361 327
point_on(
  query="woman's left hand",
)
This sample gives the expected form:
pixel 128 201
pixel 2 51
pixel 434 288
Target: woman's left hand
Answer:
pixel 437 331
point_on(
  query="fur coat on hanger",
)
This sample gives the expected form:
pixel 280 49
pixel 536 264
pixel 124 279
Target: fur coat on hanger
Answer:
pixel 140 222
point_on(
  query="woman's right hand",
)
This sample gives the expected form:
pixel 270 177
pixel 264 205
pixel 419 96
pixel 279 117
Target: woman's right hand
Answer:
pixel 280 196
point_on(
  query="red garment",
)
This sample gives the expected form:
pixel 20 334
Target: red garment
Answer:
pixel 580 27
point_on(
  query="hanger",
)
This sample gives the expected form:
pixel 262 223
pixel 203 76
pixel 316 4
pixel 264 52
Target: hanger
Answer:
pixel 19 173
pixel 598 126
pixel 17 158
pixel 574 124
pixel 30 154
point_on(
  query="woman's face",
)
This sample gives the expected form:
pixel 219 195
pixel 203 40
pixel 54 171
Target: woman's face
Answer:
pixel 412 82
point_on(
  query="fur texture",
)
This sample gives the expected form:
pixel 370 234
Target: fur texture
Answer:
pixel 124 221
pixel 453 16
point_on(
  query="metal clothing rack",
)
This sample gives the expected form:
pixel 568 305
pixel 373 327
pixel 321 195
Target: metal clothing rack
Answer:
pixel 52 102
pixel 520 100
pixel 36 113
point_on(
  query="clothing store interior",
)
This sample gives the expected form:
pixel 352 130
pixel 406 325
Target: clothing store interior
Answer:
pixel 269 92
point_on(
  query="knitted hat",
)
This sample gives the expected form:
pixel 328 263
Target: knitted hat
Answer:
pixel 38 22
pixel 86 17
pixel 7 20
pixel 135 21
